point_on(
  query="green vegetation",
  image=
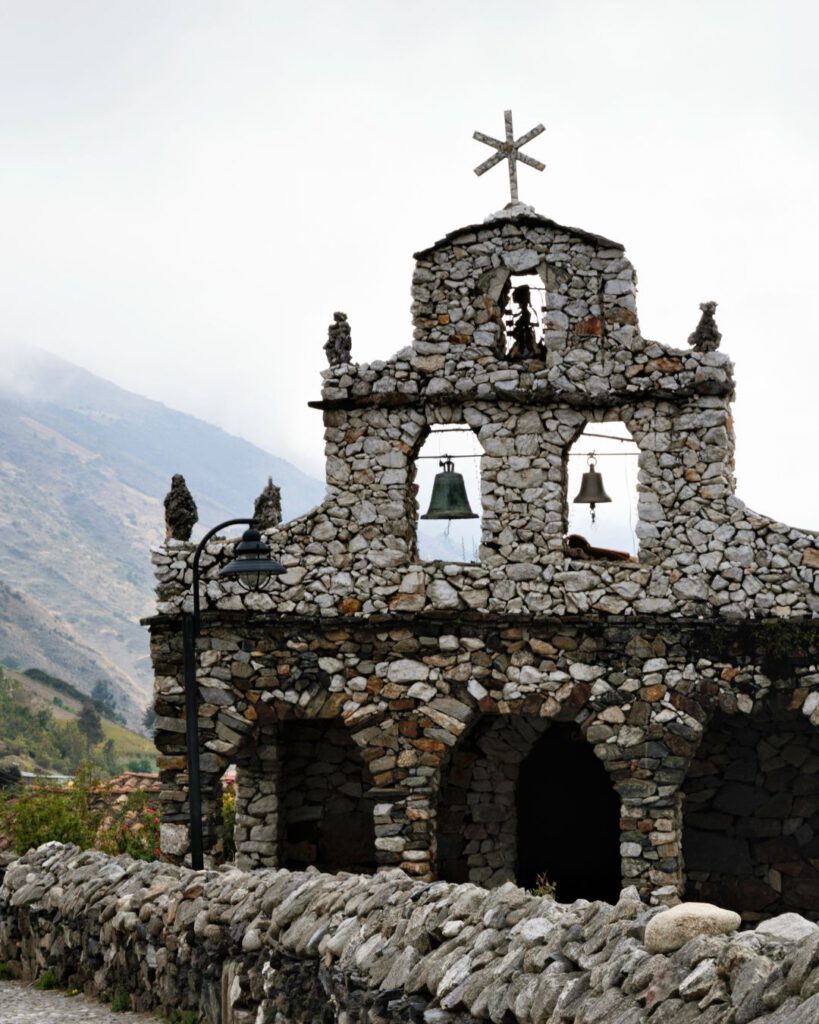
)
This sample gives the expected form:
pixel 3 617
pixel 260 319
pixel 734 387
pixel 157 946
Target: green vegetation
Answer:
pixel 184 1017
pixel 40 731
pixel 6 973
pixel 542 887
pixel 81 813
pixel 228 824
pixel 121 1001
pixel 47 980
pixel 102 696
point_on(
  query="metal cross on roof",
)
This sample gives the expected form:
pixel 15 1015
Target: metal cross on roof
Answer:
pixel 510 150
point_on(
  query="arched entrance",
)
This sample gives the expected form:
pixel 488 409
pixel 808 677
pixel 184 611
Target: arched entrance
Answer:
pixel 751 813
pixel 326 816
pixel 568 819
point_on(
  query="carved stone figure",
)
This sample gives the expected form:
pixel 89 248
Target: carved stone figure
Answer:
pixel 268 509
pixel 339 342
pixel 525 343
pixel 181 513
pixel 706 337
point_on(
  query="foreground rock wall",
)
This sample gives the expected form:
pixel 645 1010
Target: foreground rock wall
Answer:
pixel 274 947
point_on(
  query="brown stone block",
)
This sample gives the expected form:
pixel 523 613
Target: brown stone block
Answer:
pixel 678 745
pixel 384 778
pixel 488 705
pixel 653 693
pixel 430 746
pixel 531 705
pixel 404 704
pixel 407 602
pixel 170 763
pixel 417 868
pixel 332 705
pixel 590 328
pixel 408 728
pixel 349 605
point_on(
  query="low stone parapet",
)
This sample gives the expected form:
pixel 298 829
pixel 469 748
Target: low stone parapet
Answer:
pixel 275 947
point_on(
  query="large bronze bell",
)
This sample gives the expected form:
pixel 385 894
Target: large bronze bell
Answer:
pixel 449 500
pixel 591 491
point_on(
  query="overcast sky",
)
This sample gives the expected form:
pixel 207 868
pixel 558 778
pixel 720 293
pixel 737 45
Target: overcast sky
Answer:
pixel 188 190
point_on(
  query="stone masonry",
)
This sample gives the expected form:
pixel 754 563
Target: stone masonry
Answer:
pixel 712 628
pixel 281 947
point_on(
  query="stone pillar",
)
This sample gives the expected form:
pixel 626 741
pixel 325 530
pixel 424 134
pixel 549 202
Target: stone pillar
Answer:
pixel 404 833
pixel 257 807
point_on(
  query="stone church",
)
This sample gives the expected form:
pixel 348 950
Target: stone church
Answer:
pixel 551 712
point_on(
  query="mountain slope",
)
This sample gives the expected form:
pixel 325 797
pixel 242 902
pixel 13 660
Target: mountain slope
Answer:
pixel 84 466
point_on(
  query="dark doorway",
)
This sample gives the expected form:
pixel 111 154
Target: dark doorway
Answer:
pixel 568 819
pixel 326 817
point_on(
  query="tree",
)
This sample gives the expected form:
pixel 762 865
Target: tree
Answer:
pixel 90 724
pixel 149 719
pixel 104 696
pixel 109 757
pixel 70 743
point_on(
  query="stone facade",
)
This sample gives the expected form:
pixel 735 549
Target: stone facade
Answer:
pixel 420 661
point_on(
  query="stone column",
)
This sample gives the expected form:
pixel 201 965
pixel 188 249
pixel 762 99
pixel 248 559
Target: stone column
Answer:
pixel 257 807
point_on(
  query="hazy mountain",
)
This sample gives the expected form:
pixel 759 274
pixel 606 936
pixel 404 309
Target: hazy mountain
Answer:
pixel 84 466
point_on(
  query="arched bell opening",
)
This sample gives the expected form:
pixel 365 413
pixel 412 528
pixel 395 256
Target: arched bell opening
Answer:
pixel 325 813
pixel 568 819
pixel 600 507
pixel 751 814
pixel 448 488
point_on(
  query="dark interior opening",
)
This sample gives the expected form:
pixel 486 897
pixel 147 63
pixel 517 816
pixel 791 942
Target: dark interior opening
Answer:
pixel 327 818
pixel 751 814
pixel 568 819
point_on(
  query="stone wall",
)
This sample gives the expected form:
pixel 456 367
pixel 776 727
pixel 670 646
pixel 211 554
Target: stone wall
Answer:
pixel 275 947
pixel 420 700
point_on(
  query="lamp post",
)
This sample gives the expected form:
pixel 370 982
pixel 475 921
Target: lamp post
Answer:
pixel 253 567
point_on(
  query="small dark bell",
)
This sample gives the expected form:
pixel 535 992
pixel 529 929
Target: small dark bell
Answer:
pixel 591 491
pixel 449 500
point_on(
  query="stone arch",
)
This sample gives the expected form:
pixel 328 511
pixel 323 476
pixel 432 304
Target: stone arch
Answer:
pixel 478 833
pixel 325 808
pixel 751 810
pixel 568 826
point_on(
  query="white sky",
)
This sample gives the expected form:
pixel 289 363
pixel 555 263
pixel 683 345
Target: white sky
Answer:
pixel 188 190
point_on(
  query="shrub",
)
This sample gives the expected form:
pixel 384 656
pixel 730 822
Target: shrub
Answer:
pixel 47 980
pixel 542 886
pixel 183 1017
pixel 132 827
pixel 6 972
pixel 121 1001
pixel 41 814
pixel 228 824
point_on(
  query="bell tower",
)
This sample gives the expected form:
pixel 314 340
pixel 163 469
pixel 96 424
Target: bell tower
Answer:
pixel 431 693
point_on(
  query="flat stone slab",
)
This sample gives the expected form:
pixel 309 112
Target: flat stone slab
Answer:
pixel 21 1003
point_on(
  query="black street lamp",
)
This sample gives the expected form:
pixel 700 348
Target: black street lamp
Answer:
pixel 253 567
